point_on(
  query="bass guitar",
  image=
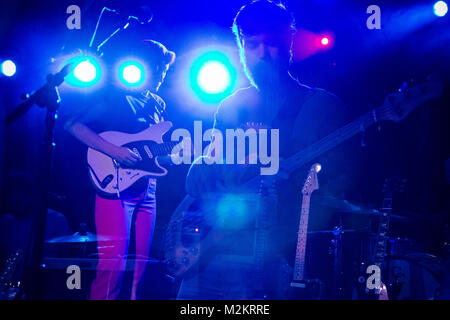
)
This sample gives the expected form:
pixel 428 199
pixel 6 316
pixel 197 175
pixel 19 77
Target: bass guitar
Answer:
pixel 377 262
pixel 396 107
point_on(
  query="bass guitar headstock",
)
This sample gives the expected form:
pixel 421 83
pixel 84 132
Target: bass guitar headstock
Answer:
pixel 400 104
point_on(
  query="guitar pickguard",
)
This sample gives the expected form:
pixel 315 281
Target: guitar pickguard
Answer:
pixel 149 161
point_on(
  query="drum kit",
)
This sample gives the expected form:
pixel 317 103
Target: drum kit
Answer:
pixel 81 244
pixel 409 273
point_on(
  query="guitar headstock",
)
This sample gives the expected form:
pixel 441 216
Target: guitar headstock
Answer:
pixel 400 104
pixel 312 183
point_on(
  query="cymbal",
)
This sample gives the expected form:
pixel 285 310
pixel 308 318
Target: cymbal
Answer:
pixel 336 231
pixel 79 237
pixel 345 206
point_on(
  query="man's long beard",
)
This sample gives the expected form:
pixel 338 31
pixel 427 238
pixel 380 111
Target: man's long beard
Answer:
pixel 268 78
pixel 266 74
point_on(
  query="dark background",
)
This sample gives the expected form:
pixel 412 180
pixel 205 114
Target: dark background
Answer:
pixel 361 67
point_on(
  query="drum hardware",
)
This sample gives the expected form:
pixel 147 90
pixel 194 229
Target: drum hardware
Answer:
pixel 82 236
pixel 346 207
pixel 83 239
pixel 414 276
pixel 336 250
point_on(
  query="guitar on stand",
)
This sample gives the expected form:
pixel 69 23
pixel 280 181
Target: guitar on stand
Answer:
pixel 380 291
pixel 301 288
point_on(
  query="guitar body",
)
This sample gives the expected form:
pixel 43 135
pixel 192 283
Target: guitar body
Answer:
pixel 180 258
pixel 190 232
pixel 109 177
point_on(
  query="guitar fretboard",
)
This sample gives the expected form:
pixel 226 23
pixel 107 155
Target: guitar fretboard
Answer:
pixel 162 148
pixel 301 239
pixel 329 142
pixel 383 229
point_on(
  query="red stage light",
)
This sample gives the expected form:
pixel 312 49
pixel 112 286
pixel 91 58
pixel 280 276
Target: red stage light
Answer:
pixel 325 41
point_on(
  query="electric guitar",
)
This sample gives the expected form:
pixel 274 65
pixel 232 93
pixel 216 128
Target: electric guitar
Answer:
pixel 396 107
pixel 391 185
pixel 189 233
pixel 110 178
pixel 263 250
pixel 300 287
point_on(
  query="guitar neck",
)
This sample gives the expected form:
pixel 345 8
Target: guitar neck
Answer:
pixel 162 149
pixel 265 219
pixel 329 142
pixel 383 229
pixel 301 239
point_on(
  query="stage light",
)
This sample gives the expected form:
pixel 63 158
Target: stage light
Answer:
pixel 212 76
pixel 232 212
pixel 440 8
pixel 8 68
pixel 131 73
pixel 325 41
pixel 85 71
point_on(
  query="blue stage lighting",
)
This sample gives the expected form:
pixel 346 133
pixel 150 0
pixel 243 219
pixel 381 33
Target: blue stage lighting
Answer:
pixel 131 73
pixel 8 68
pixel 212 76
pixel 85 71
pixel 440 8
pixel 232 212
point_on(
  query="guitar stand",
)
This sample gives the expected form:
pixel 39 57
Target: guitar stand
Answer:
pixel 308 289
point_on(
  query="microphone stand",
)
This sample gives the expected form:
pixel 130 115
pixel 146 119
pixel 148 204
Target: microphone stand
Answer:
pixel 45 97
pixel 129 20
pixel 48 97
